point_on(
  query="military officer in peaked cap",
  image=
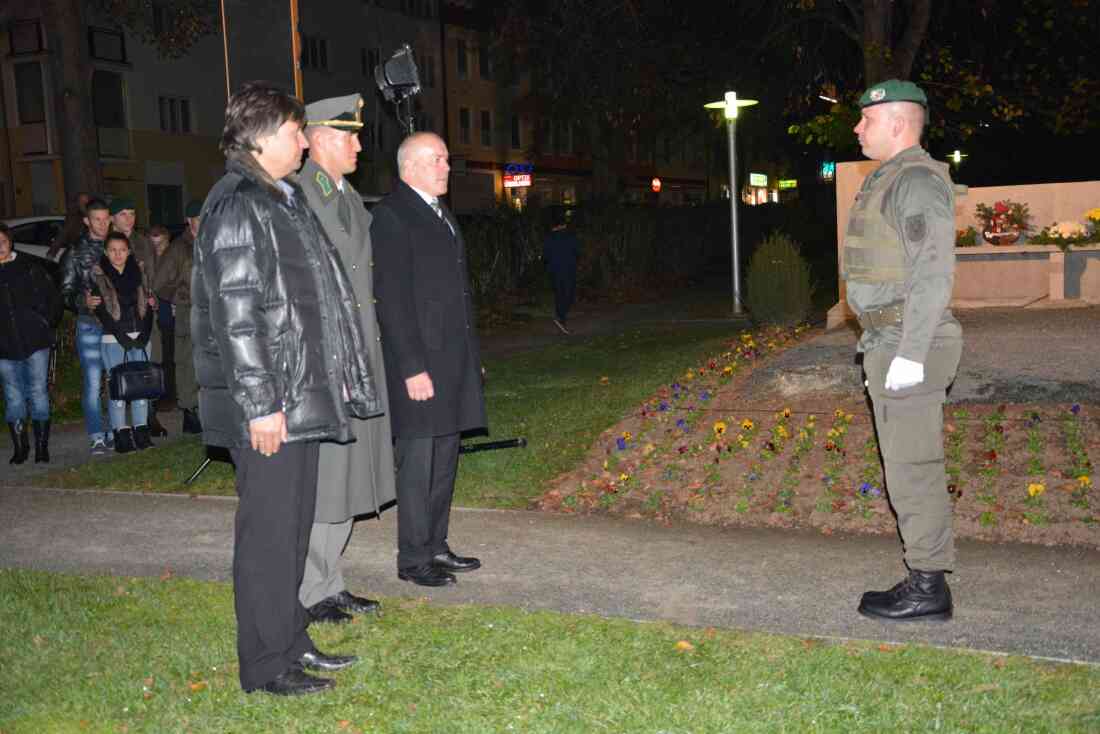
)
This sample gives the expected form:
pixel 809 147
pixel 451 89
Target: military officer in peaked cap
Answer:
pixel 353 479
pixel 899 264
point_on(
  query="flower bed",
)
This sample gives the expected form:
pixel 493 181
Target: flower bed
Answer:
pixel 700 451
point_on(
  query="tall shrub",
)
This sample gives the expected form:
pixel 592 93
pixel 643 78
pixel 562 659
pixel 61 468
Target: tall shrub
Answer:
pixel 778 285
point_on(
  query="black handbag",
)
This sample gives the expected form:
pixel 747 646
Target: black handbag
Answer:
pixel 137 380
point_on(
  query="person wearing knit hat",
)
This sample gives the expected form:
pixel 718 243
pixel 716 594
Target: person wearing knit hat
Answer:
pixel 353 479
pixel 899 266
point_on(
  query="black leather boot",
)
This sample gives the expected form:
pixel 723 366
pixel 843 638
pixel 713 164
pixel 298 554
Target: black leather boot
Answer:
pixel 19 441
pixel 41 442
pixel 923 596
pixel 141 438
pixel 191 422
pixel 155 428
pixel 124 440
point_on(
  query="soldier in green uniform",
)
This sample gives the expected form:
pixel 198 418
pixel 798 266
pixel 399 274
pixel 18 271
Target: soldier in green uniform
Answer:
pixel 899 264
pixel 353 479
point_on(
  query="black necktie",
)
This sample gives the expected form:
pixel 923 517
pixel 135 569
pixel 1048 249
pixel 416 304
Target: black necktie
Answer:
pixel 343 211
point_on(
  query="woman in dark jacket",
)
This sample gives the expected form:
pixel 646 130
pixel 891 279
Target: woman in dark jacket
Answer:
pixel 126 313
pixel 30 306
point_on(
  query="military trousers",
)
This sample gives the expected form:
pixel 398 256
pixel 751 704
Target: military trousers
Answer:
pixel 187 387
pixel 323 576
pixel 909 425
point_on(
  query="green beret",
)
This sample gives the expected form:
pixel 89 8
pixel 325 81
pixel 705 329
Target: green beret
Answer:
pixel 194 208
pixel 893 90
pixel 343 113
pixel 121 203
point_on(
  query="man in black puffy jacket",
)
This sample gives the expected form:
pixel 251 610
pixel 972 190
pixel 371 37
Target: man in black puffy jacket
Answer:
pixel 280 361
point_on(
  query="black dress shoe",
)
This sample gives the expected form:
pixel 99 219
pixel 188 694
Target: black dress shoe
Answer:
pixel 448 561
pixel 326 612
pixel 426 576
pixel 296 682
pixel 317 660
pixel 348 602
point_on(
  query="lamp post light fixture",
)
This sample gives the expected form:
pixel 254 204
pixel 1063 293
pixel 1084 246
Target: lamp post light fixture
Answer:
pixel 729 106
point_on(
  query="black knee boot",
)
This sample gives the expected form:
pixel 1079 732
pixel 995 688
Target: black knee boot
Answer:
pixel 19 441
pixel 41 442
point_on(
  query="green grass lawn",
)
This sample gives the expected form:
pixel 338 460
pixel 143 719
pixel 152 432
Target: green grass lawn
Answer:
pixel 554 397
pixel 102 654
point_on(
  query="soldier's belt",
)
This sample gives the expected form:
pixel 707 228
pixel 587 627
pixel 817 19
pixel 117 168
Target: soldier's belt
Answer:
pixel 876 318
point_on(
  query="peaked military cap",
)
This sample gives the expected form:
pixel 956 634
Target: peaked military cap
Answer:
pixel 893 90
pixel 121 204
pixel 343 113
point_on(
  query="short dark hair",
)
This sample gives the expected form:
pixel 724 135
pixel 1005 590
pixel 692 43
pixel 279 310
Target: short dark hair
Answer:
pixel 256 110
pixel 116 235
pixel 158 230
pixel 96 204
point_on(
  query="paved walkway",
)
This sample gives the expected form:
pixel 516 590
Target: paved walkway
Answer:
pixel 1011 598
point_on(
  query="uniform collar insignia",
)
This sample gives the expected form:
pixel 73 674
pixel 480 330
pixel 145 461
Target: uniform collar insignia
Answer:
pixel 324 183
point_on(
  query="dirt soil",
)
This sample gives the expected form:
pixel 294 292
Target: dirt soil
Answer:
pixel 733 443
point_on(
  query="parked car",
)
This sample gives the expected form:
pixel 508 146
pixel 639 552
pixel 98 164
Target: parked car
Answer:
pixel 34 235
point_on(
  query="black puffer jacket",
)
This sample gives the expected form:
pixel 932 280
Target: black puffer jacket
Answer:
pixel 76 272
pixel 274 319
pixel 29 308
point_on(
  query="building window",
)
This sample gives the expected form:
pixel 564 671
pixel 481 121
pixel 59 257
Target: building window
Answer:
pixel 486 128
pixel 26 37
pixel 463 125
pixel 463 70
pixel 484 62
pixel 175 114
pixel 516 142
pixel 314 53
pixel 107 45
pixel 109 110
pixel 29 93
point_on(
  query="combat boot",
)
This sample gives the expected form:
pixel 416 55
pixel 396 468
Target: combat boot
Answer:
pixel 141 438
pixel 923 595
pixel 41 442
pixel 191 422
pixel 19 441
pixel 124 441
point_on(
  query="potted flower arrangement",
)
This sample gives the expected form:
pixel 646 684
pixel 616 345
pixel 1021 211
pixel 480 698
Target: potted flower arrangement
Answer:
pixel 1003 222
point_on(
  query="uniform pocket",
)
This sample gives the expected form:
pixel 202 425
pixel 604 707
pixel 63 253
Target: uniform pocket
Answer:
pixel 910 430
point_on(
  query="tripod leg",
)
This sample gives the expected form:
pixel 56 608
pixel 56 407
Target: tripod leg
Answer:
pixel 205 463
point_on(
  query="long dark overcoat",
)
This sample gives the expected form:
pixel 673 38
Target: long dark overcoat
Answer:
pixel 356 478
pixel 427 316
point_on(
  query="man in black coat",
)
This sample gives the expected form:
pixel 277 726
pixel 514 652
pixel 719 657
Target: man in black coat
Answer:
pixel 279 356
pixel 431 354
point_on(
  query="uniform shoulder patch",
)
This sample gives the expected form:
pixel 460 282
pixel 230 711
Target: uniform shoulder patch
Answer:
pixel 916 228
pixel 324 183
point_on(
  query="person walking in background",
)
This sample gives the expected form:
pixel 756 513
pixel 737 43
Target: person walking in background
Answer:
pixel 125 312
pixel 899 264
pixel 187 389
pixel 560 251
pixel 354 479
pixel 30 307
pixel 281 361
pixel 432 355
pixel 76 292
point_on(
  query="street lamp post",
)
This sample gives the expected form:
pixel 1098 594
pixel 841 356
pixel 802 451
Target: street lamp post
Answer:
pixel 730 105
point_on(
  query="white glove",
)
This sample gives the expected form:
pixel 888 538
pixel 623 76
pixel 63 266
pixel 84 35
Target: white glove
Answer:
pixel 904 373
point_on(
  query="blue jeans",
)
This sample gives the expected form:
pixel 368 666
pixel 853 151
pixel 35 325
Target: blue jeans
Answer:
pixel 89 338
pixel 116 409
pixel 25 379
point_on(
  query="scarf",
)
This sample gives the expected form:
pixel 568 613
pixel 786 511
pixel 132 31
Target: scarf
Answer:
pixel 126 283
